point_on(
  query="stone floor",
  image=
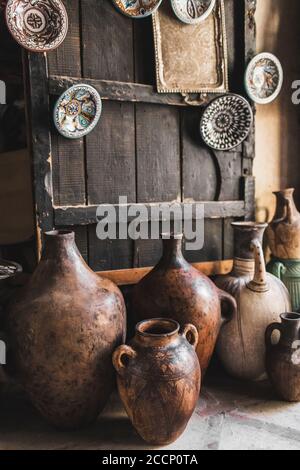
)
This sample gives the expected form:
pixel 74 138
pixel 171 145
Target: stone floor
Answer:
pixel 229 416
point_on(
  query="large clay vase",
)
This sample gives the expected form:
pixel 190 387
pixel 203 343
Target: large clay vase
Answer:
pixel 283 358
pixel 261 298
pixel 283 233
pixel 175 289
pixel 159 379
pixel 62 329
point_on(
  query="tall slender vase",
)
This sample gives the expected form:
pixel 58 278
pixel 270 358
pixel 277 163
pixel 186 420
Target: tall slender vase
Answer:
pixel 175 289
pixel 62 328
pixel 261 298
pixel 283 358
pixel 283 233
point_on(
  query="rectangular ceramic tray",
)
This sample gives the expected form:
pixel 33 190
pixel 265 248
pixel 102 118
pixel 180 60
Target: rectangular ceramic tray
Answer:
pixel 190 58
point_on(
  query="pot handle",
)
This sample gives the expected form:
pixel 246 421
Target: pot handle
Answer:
pixel 190 333
pixel 269 331
pixel 278 269
pixel 228 305
pixel 120 354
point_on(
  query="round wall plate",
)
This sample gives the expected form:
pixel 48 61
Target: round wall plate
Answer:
pixel 226 122
pixel 77 111
pixel 137 8
pixel 9 269
pixel 39 26
pixel 264 78
pixel 192 11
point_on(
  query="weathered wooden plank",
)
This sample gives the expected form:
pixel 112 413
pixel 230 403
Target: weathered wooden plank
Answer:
pixel 120 91
pixel 127 277
pixel 37 103
pixel 86 215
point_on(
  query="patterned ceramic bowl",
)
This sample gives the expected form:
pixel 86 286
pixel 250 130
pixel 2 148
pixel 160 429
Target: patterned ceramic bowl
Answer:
pixel 226 122
pixel 264 78
pixel 77 111
pixel 37 25
pixel 137 8
pixel 192 11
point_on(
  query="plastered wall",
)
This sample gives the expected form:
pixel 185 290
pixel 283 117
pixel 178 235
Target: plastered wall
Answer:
pixel 277 163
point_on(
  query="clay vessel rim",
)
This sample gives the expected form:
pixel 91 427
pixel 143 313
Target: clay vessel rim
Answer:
pixel 287 190
pixel 290 316
pixel 68 234
pixel 250 225
pixel 167 326
pixel 171 236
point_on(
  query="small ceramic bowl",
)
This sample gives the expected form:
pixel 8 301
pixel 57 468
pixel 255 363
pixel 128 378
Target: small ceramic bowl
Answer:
pixel 39 26
pixel 264 78
pixel 192 11
pixel 226 122
pixel 137 8
pixel 77 111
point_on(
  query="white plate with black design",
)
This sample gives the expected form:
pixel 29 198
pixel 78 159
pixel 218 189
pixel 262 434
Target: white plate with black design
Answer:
pixel 192 11
pixel 226 122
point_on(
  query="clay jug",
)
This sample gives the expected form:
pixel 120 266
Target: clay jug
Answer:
pixel 159 379
pixel 175 289
pixel 283 233
pixel 261 298
pixel 283 358
pixel 62 328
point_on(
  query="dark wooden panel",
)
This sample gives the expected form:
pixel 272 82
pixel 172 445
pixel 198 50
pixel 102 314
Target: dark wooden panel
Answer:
pixel 200 170
pixel 144 52
pixel 68 155
pixel 107 39
pixel 65 60
pixel 109 254
pixel 230 164
pixel 158 154
pixel 111 155
pixel 213 247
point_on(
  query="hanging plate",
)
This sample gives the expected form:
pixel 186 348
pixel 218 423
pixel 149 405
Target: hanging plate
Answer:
pixel 39 26
pixel 137 8
pixel 192 11
pixel 226 122
pixel 264 78
pixel 77 111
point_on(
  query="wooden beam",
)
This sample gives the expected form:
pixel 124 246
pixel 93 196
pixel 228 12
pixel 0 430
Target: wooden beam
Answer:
pixel 122 91
pixel 127 277
pixel 86 215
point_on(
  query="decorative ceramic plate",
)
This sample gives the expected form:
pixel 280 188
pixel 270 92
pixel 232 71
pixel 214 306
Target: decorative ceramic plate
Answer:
pixel 77 111
pixel 226 122
pixel 192 11
pixel 37 25
pixel 9 269
pixel 137 8
pixel 264 78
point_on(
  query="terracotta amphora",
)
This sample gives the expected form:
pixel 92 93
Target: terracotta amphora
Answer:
pixel 62 328
pixel 159 379
pixel 283 358
pixel 175 289
pixel 283 233
pixel 261 298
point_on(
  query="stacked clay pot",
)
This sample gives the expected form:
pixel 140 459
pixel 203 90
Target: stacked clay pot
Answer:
pixel 283 237
pixel 62 328
pixel 261 298
pixel 159 379
pixel 175 289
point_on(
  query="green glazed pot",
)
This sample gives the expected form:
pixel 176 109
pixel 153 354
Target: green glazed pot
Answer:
pixel 288 271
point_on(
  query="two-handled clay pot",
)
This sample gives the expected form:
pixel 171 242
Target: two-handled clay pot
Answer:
pixel 175 289
pixel 62 328
pixel 159 379
pixel 283 358
pixel 261 298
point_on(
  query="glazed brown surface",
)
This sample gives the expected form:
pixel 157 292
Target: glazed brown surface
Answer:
pixel 283 233
pixel 63 328
pixel 159 379
pixel 283 359
pixel 174 289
